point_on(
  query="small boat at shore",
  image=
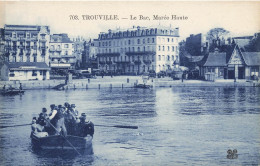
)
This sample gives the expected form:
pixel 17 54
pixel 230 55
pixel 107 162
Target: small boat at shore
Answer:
pixel 12 92
pixel 44 141
pixel 142 86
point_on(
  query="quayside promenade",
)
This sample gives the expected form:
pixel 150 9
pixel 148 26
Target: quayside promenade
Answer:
pixel 124 82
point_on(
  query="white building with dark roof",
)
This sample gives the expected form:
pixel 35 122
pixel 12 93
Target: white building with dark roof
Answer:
pixel 26 43
pixel 12 71
pixel 62 54
pixel 138 50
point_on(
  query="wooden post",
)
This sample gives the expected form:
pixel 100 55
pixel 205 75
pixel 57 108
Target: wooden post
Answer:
pixel 98 86
pixel 122 86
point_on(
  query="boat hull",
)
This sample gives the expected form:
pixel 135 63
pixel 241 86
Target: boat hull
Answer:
pixel 12 92
pixel 60 142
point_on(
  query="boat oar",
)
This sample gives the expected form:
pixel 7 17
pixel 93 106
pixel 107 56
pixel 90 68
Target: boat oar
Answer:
pixel 120 126
pixel 63 137
pixel 15 125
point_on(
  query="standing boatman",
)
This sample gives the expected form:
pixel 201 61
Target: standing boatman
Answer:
pixel 57 119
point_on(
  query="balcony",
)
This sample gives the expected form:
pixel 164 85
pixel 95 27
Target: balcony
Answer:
pixel 108 54
pixel 141 53
pixel 42 40
pixel 28 52
pixel 147 61
pixel 42 47
pixel 137 62
pixel 51 49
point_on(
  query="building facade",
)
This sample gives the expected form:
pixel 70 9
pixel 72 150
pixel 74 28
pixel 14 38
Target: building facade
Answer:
pixel 12 71
pixel 233 64
pixel 196 45
pixel 26 43
pixel 62 54
pixel 78 50
pixel 138 50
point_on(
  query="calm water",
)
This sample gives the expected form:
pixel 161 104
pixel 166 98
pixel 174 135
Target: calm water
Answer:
pixel 177 126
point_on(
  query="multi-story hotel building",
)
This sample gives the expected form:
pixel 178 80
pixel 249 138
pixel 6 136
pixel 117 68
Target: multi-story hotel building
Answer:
pixel 138 50
pixel 26 43
pixel 61 52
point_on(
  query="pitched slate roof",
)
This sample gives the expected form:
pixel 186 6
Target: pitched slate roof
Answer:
pixel 252 58
pixel 27 65
pixel 216 59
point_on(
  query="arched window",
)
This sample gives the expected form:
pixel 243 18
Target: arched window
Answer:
pixel 163 48
pixel 159 57
pixel 159 48
pixel 168 57
pixel 172 48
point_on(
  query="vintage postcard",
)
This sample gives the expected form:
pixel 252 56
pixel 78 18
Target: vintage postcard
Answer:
pixel 129 83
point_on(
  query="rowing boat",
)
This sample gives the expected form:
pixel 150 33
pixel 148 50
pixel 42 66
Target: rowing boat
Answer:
pixel 44 141
pixel 11 92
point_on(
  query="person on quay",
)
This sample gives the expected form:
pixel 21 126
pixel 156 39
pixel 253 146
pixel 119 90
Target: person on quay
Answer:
pixel 57 119
pixel 85 127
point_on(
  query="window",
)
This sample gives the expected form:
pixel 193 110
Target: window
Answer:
pixel 168 48
pixel 163 58
pixel 129 42
pixel 133 49
pixel 159 48
pixel 148 40
pixel 66 46
pixel 66 52
pixel 34 73
pixel 138 49
pixel 152 40
pixel 143 41
pixel 172 48
pixel 172 39
pixel 168 57
pixel 138 41
pixel 172 57
pixel 163 48
pixel 11 74
pixel 159 57
pixel 168 39
pixel 144 48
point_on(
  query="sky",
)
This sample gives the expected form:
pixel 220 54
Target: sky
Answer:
pixel 240 18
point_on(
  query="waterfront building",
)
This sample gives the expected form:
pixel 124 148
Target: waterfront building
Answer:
pixel 62 54
pixel 78 50
pixel 196 45
pixel 232 64
pixel 138 50
pixel 12 71
pixel 26 43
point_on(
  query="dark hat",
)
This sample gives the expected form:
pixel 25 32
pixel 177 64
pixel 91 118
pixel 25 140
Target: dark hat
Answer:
pixel 59 106
pixel 73 105
pixel 34 118
pixel 66 104
pixel 83 114
pixel 52 105
pixel 44 109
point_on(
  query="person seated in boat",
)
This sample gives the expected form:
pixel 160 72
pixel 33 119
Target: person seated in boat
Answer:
pixel 85 127
pixel 57 120
pixel 67 106
pixel 73 110
pixel 41 122
pixel 71 119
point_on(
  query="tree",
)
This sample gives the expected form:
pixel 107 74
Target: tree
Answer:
pixel 254 44
pixel 215 37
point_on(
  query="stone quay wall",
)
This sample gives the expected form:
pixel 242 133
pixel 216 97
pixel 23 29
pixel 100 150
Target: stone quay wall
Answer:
pixel 125 82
